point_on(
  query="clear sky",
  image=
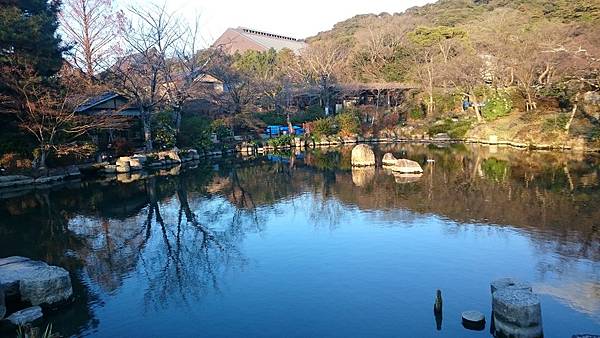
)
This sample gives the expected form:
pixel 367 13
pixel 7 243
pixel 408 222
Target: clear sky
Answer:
pixel 298 18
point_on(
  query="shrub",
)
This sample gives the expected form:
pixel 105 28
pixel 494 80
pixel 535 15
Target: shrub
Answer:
pixel 163 130
pixel 195 133
pixel 221 129
pixel 323 127
pixel 498 105
pixel 416 113
pixel 558 122
pixel 455 130
pixel 349 123
pixel 280 141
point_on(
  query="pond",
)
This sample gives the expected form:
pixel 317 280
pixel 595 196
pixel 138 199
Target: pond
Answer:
pixel 301 245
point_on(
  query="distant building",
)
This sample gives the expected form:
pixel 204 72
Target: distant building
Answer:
pixel 244 39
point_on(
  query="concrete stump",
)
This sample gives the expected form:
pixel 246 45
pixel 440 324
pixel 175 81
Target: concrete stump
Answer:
pixel 512 283
pixel 517 313
pixel 473 320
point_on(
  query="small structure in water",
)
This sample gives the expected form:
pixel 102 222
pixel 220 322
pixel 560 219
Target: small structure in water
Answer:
pixel 438 310
pixel 516 310
pixel 473 320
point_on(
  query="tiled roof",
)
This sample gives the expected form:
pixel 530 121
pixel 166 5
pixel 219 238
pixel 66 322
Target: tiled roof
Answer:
pixel 96 100
pixel 269 40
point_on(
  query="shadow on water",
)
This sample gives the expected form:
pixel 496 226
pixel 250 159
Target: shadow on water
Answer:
pixel 181 234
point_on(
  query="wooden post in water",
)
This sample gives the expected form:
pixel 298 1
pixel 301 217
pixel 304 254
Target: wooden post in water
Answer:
pixel 437 310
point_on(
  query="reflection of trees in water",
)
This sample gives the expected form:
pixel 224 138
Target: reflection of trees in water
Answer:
pixel 187 256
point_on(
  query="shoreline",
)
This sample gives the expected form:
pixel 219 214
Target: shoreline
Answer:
pixel 16 183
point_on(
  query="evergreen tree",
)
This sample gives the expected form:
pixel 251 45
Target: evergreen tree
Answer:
pixel 28 34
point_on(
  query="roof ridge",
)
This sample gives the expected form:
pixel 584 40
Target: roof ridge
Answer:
pixel 267 34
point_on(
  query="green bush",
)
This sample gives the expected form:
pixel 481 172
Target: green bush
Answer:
pixel 349 123
pixel 280 141
pixel 195 133
pixel 221 129
pixel 163 130
pixel 324 127
pixel 558 122
pixel 499 104
pixel 455 130
pixel 416 113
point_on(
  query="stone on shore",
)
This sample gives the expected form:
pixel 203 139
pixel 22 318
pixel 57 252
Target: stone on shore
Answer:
pixel 512 283
pixel 406 167
pixel 34 282
pixel 25 316
pixel 389 159
pixel 363 156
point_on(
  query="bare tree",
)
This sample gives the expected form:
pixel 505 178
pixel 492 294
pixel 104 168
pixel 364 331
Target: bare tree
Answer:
pixel 90 25
pixel 151 37
pixel 47 110
pixel 319 64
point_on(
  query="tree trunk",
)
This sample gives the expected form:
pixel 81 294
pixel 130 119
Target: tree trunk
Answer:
pixel 43 156
pixel 145 117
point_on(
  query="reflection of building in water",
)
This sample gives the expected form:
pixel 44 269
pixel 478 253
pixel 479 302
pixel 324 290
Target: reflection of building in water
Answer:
pixel 583 296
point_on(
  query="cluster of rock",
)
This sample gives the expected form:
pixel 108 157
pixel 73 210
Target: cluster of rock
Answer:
pixel 31 283
pixel 46 178
pixel 138 162
pixel 363 156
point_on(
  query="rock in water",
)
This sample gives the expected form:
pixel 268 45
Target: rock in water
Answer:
pixel 363 156
pixel 517 313
pixel 405 166
pixel 2 304
pixel 388 159
pixel 33 281
pixel 25 316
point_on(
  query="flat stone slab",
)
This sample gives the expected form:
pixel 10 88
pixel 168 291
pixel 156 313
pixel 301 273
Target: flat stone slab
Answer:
pixel 512 283
pixel 25 316
pixel 34 281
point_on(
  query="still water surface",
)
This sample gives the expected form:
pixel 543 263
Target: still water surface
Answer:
pixel 303 246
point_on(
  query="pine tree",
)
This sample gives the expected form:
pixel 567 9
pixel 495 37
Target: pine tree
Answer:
pixel 28 34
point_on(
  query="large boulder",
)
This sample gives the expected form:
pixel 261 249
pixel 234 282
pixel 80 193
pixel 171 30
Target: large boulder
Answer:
pixel 389 159
pixel 26 316
pixel 363 156
pixel 34 282
pixel 405 166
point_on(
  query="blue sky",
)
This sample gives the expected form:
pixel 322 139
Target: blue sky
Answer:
pixel 297 19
